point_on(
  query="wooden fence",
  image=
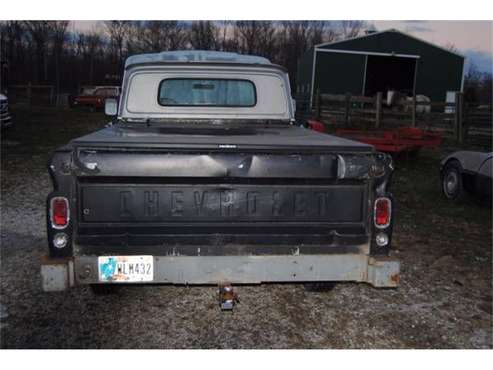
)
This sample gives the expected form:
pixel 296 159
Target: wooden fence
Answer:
pixel 37 95
pixel 32 94
pixel 459 120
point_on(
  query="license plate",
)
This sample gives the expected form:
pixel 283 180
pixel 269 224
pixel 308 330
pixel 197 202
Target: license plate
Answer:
pixel 126 268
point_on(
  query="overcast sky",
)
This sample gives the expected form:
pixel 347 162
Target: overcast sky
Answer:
pixel 472 38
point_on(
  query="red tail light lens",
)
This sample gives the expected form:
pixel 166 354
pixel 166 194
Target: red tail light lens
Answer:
pixel 382 213
pixel 60 212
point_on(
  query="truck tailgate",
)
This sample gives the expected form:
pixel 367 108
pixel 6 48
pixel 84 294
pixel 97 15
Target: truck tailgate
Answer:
pixel 236 200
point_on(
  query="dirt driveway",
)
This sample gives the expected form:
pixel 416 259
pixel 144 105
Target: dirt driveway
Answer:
pixel 445 300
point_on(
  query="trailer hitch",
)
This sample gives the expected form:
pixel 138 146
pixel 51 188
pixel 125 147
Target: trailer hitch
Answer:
pixel 228 297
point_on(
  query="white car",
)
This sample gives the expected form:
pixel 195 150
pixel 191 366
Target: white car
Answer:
pixel 467 172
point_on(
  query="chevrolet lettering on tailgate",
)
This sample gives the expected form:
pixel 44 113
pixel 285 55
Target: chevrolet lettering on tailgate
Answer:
pixel 254 203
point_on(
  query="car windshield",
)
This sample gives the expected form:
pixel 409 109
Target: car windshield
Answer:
pixel 207 92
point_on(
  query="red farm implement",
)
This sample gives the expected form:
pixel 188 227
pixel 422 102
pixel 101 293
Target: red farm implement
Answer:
pixel 398 140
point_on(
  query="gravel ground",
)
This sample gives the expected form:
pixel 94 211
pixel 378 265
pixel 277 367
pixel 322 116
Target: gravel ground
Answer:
pixel 444 301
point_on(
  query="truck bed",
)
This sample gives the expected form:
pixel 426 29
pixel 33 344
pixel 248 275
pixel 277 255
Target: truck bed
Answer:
pixel 199 135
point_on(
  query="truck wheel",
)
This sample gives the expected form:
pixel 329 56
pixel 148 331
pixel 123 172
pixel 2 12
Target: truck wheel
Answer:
pixel 104 289
pixel 452 185
pixel 320 286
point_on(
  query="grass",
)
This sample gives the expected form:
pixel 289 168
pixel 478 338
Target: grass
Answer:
pixel 39 130
pixel 417 188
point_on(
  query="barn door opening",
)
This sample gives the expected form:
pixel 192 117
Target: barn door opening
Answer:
pixel 384 73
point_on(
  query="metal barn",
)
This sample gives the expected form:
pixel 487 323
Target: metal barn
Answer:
pixel 378 62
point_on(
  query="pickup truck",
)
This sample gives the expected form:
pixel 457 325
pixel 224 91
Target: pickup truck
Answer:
pixel 204 176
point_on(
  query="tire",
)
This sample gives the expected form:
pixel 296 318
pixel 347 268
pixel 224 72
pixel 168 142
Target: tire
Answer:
pixel 104 289
pixel 320 286
pixel 452 184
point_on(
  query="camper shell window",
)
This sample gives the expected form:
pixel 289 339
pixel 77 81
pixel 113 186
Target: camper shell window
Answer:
pixel 207 92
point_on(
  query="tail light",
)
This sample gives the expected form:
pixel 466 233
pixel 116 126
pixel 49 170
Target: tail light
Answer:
pixel 382 212
pixel 59 212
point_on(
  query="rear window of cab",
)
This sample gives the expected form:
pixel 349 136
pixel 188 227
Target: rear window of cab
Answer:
pixel 207 92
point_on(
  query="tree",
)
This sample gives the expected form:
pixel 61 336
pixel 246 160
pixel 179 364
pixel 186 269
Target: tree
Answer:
pixel 157 36
pixel 351 29
pixel 12 52
pixel 256 37
pixel 58 31
pixel 451 47
pixel 44 51
pixel 230 36
pixel 118 33
pixel 478 86
pixel 472 84
pixel 94 46
pixel 39 33
pixel 88 49
pixel 204 35
pixel 247 32
pixel 295 40
pixel 267 44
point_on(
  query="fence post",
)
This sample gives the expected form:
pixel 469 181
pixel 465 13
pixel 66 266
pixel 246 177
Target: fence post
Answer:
pixel 378 110
pixel 458 117
pixel 29 93
pixel 464 115
pixel 461 118
pixel 317 104
pixel 347 108
pixel 413 111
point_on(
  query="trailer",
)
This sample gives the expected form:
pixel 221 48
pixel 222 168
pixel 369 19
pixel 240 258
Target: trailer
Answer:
pixel 396 140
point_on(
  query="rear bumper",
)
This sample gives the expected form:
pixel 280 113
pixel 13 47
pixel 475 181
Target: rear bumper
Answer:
pixel 60 274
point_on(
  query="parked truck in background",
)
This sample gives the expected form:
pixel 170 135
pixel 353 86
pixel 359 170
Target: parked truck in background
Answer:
pixel 94 98
pixel 205 177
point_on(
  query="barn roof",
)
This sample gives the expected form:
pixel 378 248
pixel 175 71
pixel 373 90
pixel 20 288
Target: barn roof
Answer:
pixel 327 44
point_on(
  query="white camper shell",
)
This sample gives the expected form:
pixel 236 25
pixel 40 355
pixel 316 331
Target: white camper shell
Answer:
pixel 144 75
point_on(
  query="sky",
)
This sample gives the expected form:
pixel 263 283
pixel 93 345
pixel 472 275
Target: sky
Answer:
pixel 473 39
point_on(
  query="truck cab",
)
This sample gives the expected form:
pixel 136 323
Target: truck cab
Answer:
pixel 204 176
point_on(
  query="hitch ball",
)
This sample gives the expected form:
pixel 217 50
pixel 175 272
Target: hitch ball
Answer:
pixel 227 297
